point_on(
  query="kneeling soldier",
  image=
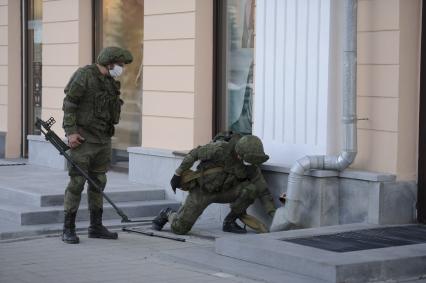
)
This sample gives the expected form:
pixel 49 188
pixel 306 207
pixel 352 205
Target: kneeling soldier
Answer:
pixel 228 172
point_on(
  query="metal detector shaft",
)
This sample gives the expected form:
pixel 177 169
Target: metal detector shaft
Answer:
pixel 152 234
pixel 62 148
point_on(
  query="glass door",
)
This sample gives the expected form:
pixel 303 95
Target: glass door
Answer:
pixel 235 62
pixel 33 67
pixel 120 23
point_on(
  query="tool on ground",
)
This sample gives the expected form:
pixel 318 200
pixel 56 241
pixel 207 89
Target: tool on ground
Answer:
pixel 253 223
pixel 152 234
pixel 58 143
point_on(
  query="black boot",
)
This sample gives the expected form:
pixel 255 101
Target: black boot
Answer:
pixel 161 219
pixel 68 233
pixel 229 224
pixel 96 229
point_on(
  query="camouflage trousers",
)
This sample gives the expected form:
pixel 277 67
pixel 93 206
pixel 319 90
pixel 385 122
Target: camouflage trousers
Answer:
pixel 240 197
pixel 94 158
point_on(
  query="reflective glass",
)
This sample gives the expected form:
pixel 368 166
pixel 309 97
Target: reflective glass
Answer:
pixel 239 64
pixel 122 26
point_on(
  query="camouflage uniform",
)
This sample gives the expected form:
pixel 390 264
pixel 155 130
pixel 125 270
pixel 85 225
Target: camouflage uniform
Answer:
pixel 237 184
pixel 92 107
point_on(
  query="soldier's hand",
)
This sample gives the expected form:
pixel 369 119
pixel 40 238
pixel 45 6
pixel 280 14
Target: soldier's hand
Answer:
pixel 75 140
pixel 175 182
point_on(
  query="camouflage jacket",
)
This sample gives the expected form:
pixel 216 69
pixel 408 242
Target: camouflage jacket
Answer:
pixel 92 105
pixel 220 154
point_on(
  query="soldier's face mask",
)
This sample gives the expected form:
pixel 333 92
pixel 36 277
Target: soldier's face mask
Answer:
pixel 116 71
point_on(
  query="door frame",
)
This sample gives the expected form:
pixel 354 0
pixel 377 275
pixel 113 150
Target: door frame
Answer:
pixel 421 173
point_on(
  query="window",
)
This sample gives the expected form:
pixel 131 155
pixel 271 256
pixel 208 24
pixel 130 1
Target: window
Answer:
pixel 120 23
pixel 33 67
pixel 235 63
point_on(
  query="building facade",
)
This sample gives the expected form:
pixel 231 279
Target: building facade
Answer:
pixel 268 67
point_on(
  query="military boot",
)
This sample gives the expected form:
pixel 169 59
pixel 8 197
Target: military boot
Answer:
pixel 229 224
pixel 68 234
pixel 96 229
pixel 161 219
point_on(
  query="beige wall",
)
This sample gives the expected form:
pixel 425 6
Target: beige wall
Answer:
pixel 177 85
pixel 67 44
pixel 388 86
pixel 10 76
pixel 3 64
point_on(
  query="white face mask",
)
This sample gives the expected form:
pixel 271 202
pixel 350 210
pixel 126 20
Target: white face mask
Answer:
pixel 246 163
pixel 116 71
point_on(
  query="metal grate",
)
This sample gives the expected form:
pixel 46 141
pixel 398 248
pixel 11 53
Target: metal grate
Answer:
pixel 366 239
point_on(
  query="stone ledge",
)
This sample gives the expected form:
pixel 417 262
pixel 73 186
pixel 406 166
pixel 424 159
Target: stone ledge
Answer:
pixel 152 152
pixel 390 263
pixel 39 138
pixel 367 175
pixel 280 168
pixel 348 173
pixel 42 152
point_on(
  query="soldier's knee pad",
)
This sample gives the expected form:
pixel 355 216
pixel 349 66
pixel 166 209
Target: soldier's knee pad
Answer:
pixel 76 184
pixel 180 227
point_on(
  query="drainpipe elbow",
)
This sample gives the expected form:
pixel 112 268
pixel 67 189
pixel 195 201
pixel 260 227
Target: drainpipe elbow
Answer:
pixel 345 159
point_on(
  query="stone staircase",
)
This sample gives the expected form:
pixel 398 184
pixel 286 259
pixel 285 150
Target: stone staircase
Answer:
pixel 33 195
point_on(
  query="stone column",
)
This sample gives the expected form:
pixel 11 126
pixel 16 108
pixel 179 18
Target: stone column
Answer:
pixel 177 84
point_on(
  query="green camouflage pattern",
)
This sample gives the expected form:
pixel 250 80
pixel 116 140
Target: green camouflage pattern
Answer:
pixel 237 184
pixel 112 54
pixel 250 148
pixel 92 105
pixel 94 159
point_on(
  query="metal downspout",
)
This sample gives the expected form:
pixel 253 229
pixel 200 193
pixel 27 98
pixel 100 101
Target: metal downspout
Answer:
pixel 292 214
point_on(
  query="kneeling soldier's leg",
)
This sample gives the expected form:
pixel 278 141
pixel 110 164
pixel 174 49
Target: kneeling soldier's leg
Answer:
pixel 263 192
pixel 185 218
pixel 246 196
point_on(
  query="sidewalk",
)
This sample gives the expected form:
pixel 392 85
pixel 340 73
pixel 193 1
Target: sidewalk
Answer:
pixel 132 258
pixel 35 253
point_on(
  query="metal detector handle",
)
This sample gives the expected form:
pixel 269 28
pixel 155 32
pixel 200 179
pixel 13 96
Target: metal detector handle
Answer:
pixel 152 234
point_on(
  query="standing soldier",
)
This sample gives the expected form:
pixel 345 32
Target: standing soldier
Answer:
pixel 228 172
pixel 92 107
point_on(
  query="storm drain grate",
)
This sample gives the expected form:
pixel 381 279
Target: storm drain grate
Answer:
pixel 367 239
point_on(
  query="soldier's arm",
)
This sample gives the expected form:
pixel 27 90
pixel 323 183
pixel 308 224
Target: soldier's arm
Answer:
pixel 202 153
pixel 73 93
pixel 264 195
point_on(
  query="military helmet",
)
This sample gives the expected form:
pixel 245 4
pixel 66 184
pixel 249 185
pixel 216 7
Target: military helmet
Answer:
pixel 250 149
pixel 110 55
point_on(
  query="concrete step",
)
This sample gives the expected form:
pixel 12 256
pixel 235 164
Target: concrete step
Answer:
pixel 115 196
pixel 44 199
pixel 14 196
pixel 26 215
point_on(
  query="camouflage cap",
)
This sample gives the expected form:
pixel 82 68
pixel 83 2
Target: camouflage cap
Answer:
pixel 250 149
pixel 110 55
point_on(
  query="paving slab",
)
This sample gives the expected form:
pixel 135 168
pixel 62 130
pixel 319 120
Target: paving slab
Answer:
pixel 390 263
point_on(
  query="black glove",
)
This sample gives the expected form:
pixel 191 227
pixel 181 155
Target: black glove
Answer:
pixel 175 182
